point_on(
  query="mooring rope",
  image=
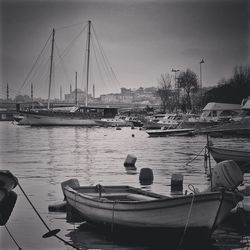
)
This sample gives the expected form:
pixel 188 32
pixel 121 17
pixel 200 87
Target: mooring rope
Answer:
pixel 188 217
pixel 195 157
pixel 44 223
pixel 12 237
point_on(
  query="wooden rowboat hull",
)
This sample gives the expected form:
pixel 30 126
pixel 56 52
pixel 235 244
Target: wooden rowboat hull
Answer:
pixel 204 210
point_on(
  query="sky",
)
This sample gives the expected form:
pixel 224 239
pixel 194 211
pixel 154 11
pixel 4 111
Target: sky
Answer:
pixel 142 39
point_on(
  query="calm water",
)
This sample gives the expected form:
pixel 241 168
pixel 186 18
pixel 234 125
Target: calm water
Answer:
pixel 43 157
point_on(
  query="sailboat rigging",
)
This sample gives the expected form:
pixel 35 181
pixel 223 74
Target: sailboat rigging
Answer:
pixel 77 115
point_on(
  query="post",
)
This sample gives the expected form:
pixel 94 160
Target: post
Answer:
pixel 60 93
pixel 88 56
pixel 7 91
pixel 209 162
pixel 31 92
pixel 76 90
pixel 202 61
pixel 51 65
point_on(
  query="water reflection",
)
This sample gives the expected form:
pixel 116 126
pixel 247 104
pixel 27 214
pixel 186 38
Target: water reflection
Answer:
pixel 43 157
pixel 87 236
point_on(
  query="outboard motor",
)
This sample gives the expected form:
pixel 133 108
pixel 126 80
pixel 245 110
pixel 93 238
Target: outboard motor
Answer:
pixel 226 175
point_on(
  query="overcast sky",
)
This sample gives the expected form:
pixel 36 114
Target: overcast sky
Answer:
pixel 141 38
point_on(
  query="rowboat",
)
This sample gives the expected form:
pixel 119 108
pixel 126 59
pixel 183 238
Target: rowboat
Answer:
pixel 129 207
pixel 241 157
pixel 168 132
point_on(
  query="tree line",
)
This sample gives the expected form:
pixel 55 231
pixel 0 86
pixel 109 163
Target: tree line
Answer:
pixel 187 95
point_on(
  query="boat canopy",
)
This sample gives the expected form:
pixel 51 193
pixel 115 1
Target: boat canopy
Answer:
pixel 222 106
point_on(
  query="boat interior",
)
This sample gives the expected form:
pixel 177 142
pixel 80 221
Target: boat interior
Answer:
pixel 117 193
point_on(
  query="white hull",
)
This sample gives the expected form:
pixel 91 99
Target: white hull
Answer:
pixel 207 210
pixel 167 132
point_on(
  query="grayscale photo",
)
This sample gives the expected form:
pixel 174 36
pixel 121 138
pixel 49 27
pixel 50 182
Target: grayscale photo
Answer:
pixel 124 124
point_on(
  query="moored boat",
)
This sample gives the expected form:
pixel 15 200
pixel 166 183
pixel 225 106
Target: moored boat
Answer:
pixel 241 157
pixel 170 132
pixel 126 206
pixel 77 116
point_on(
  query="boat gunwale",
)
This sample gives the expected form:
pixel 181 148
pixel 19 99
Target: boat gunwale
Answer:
pixel 216 195
pixel 216 149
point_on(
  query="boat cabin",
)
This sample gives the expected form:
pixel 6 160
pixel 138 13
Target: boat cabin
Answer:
pixel 245 110
pixel 215 111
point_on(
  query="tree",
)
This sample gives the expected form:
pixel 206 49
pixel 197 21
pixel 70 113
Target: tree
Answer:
pixel 232 90
pixel 188 81
pixel 164 91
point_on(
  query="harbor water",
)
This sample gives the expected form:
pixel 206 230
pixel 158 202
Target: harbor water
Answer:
pixel 43 157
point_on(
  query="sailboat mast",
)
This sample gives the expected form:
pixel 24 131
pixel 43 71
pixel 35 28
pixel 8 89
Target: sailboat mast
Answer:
pixel 51 65
pixel 88 56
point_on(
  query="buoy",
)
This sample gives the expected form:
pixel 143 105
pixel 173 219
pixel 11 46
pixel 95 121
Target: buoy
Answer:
pixel 133 135
pixel 58 207
pixel 146 176
pixel 176 182
pixel 130 161
pixel 73 183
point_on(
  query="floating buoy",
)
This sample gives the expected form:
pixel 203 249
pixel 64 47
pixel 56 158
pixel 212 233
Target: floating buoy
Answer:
pixel 58 207
pixel 176 182
pixel 130 160
pixel 133 135
pixel 73 183
pixel 146 176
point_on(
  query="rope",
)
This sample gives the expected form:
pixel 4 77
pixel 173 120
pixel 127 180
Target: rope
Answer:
pixel 12 237
pixel 34 64
pixel 189 214
pixel 195 157
pixel 44 223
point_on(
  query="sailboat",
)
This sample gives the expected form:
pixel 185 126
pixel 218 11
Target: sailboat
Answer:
pixel 78 115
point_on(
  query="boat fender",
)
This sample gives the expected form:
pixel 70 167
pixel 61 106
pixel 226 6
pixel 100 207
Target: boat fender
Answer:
pixel 58 207
pixel 130 160
pixel 146 176
pixel 73 183
pixel 176 183
pixel 6 206
pixel 226 175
